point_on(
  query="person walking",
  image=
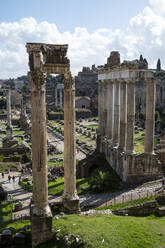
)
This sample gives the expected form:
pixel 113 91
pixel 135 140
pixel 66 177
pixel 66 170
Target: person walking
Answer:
pixel 13 178
pixel 9 177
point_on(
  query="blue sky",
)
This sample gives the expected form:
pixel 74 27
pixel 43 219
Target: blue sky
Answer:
pixel 91 28
pixel 68 14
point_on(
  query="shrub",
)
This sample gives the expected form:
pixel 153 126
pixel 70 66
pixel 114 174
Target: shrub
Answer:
pixel 3 194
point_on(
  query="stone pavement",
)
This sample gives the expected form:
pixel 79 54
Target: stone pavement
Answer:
pixel 86 201
pixel 60 145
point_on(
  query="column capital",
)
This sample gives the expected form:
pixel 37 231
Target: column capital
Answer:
pixel 69 81
pixel 37 80
pixel 131 81
pixel 150 80
pixel 123 81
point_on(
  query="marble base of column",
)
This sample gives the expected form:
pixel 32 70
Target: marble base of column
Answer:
pixel 41 229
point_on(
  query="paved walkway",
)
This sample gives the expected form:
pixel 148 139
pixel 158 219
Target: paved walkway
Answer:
pixel 60 145
pixel 86 201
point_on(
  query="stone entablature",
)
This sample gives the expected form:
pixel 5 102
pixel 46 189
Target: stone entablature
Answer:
pixel 125 74
pixel 48 58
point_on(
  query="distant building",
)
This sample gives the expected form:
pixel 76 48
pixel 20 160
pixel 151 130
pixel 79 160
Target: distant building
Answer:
pixel 86 82
pixel 82 102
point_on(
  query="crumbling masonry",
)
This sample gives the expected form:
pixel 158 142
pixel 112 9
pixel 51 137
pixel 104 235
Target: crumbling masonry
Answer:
pixel 43 59
pixel 117 119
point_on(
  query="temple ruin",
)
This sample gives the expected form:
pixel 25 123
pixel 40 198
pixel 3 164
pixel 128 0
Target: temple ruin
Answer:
pixel 44 59
pixel 117 119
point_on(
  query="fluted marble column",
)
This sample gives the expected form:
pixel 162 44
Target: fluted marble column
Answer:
pixel 110 110
pixel 123 115
pixel 101 107
pixel 70 197
pixel 104 120
pixel 150 116
pixel 61 98
pixel 39 143
pixel 116 126
pixel 56 96
pixel 130 116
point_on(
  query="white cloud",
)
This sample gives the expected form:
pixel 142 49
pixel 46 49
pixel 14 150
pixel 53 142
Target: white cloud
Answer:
pixel 145 35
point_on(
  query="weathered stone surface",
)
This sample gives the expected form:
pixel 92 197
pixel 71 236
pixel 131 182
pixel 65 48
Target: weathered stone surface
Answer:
pixel 113 60
pixel 138 210
pixel 19 238
pixel 41 229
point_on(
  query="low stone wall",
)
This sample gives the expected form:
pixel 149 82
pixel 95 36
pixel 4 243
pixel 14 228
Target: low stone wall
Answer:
pixel 138 210
pixel 13 150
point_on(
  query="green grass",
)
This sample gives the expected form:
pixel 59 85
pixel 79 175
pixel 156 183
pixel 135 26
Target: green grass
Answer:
pixel 139 141
pixel 57 187
pixel 113 231
pixel 6 222
pixel 17 131
pixel 55 164
pixel 5 214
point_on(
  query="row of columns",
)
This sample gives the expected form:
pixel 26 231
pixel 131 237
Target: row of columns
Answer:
pixel 117 113
pixel 57 102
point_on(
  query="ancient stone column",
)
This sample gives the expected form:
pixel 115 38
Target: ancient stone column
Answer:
pixel 9 124
pixel 110 110
pixel 104 99
pixel 61 98
pixel 39 143
pixel 130 116
pixel 100 102
pixel 70 197
pixel 56 96
pixel 41 217
pixel 116 125
pixel 150 116
pixel 123 115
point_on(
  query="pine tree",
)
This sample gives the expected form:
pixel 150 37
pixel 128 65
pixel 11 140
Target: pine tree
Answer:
pixel 141 58
pixel 158 67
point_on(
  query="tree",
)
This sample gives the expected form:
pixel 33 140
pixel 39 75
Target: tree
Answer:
pixel 158 67
pixel 141 58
